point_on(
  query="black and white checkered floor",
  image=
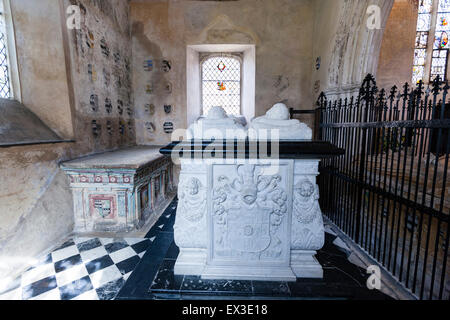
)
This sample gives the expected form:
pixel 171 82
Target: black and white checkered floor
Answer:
pixel 85 268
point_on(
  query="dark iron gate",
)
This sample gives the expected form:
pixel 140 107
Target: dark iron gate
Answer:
pixel 389 191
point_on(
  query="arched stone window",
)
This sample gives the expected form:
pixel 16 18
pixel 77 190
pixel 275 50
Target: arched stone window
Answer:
pixel 221 83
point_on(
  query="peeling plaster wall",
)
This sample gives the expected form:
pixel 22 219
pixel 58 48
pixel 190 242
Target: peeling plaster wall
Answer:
pixel 36 208
pixel 397 50
pixel 280 29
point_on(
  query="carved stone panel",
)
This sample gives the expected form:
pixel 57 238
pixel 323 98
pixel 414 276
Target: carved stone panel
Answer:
pixel 190 225
pixel 307 220
pixel 249 220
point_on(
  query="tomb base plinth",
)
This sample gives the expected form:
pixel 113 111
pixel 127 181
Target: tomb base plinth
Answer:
pixel 250 218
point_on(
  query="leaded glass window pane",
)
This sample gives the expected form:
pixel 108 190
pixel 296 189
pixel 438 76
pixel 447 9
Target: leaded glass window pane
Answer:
pixel 221 84
pixel 5 85
pixel 418 73
pixel 439 64
pixel 421 40
pixel 441 41
pixel 424 22
pixel 425 6
pixel 419 57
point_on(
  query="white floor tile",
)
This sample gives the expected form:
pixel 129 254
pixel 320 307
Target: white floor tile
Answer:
pixel 49 295
pixel 38 273
pixel 71 275
pixel 65 253
pixel 93 254
pixel 141 254
pixel 122 254
pixel 161 226
pixel 152 239
pixel 87 296
pixel 12 295
pixel 104 276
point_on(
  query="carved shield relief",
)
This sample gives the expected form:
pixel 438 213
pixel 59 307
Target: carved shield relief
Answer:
pixel 249 215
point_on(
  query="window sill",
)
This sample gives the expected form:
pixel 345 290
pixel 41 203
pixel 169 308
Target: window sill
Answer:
pixel 19 126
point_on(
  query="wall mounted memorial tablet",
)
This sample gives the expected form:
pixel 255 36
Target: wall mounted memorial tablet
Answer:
pixel 129 111
pixel 167 108
pixel 94 102
pixel 104 47
pixel 317 86
pixel 166 65
pixel 121 127
pixel 150 127
pixel 148 65
pixel 149 88
pixel 96 128
pixel 168 88
pixel 150 109
pixel 117 57
pixel 106 77
pixel 109 127
pixel 108 105
pixel 168 127
pixel 90 39
pixel 92 73
pixel 120 106
pixel 118 82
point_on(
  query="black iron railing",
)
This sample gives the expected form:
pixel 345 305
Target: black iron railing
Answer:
pixel 389 191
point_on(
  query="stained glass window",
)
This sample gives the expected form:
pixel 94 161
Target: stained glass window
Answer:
pixel 423 29
pixel 221 84
pixel 5 84
pixel 440 48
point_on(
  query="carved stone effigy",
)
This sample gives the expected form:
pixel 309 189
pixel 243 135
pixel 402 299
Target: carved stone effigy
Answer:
pixel 240 219
pixel 119 191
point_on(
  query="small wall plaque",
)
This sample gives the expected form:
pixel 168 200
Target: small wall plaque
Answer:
pixel 150 109
pixel 104 47
pixel 150 127
pixel 109 127
pixel 168 88
pixel 108 105
pixel 148 65
pixel 167 108
pixel 94 102
pixel 168 127
pixel 120 106
pixel 96 128
pixel 166 65
pixel 149 88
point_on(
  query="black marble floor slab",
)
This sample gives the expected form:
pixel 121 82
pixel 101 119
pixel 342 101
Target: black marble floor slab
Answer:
pixel 154 276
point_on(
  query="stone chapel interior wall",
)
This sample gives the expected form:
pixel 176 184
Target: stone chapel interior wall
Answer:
pixel 35 199
pixel 397 49
pixel 162 30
